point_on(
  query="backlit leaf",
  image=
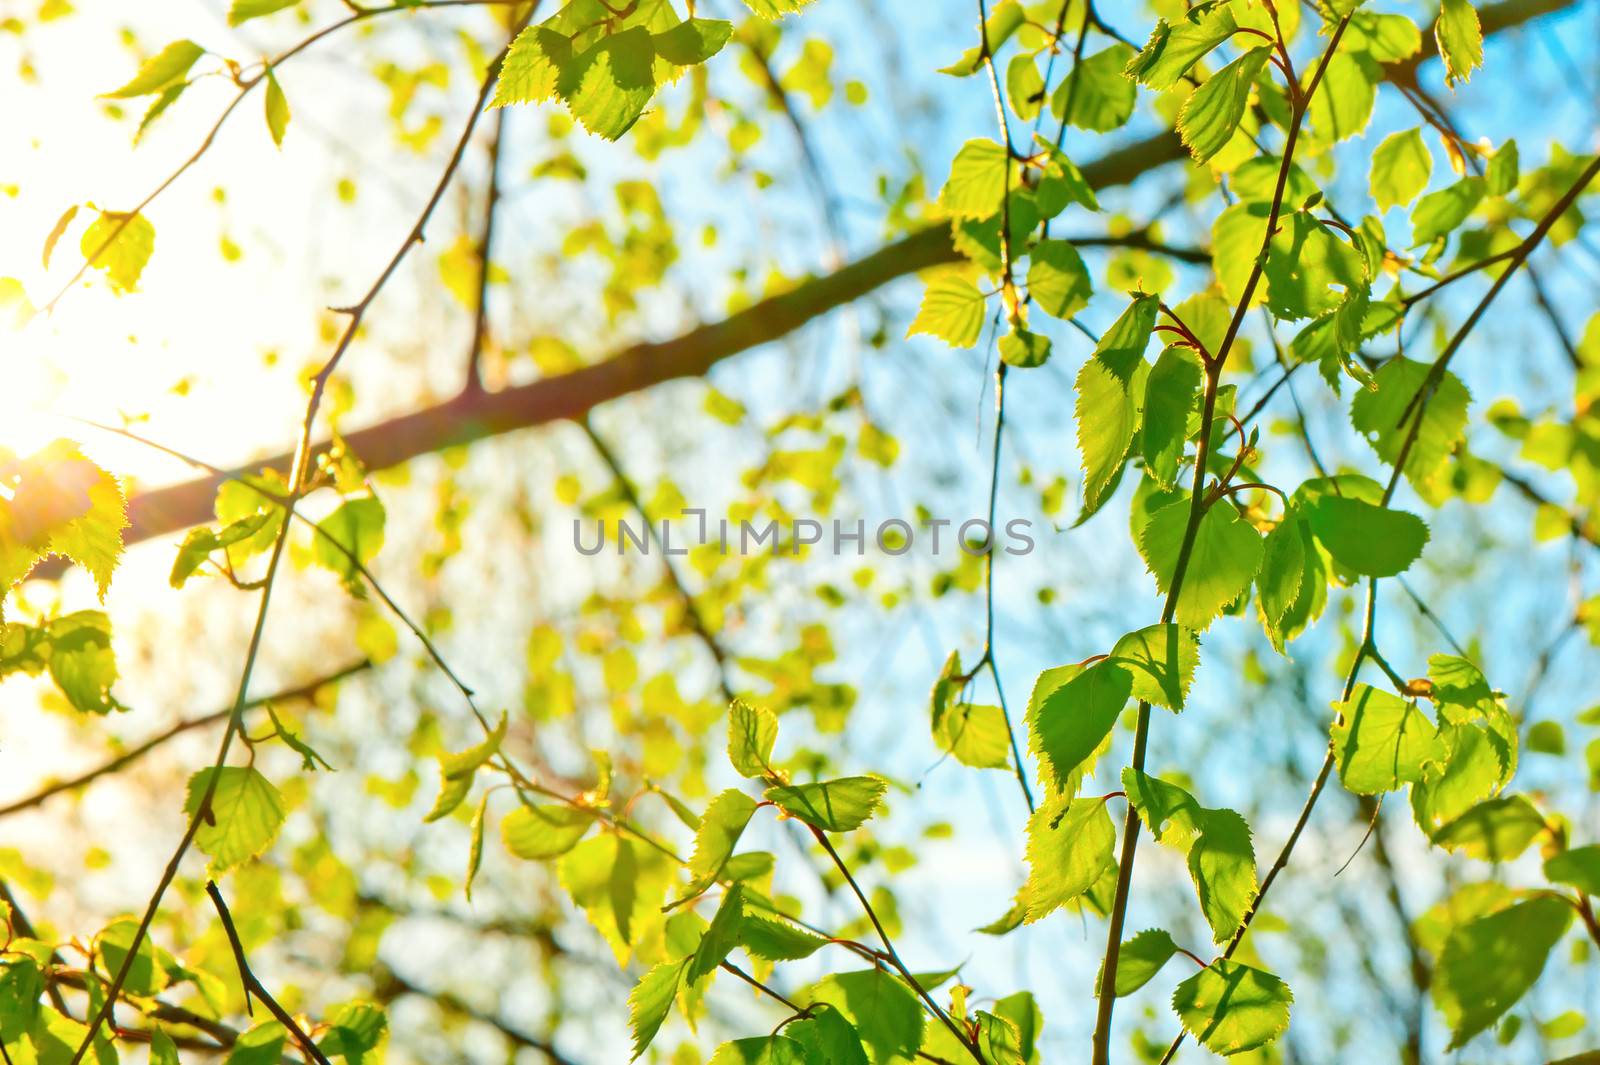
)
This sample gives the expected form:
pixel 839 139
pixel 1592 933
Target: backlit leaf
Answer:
pixel 977 181
pixel 1225 557
pixel 1460 39
pixel 1370 540
pixel 1381 741
pixel 119 245
pixel 1057 279
pixel 1488 964
pixel 243 818
pixel 244 10
pixel 544 831
pixel 832 805
pixel 1140 959
pixel 161 70
pixel 1173 48
pixel 952 310
pixel 1400 169
pixel 1169 396
pixel 1068 725
pixel 1069 845
pixel 1212 113
pixel 1231 1007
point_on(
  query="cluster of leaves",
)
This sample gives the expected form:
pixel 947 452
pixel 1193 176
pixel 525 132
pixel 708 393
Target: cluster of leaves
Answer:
pixel 607 63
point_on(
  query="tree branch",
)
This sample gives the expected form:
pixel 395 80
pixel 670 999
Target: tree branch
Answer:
pixel 474 416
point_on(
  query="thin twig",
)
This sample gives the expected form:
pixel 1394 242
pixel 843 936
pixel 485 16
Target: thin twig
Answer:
pixel 254 986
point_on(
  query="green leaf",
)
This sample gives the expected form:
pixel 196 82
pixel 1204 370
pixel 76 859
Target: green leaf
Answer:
pixel 884 1011
pixel 1028 1020
pixel 1474 765
pixel 1460 40
pixel 608 87
pixel 532 67
pixel 1488 964
pixel 831 805
pixel 1004 20
pixel 1101 97
pixel 21 988
pixel 1024 86
pixel 1169 397
pixel 1023 349
pixel 1222 862
pixel 1309 270
pixel 620 883
pixel 827 1037
pixel 977 182
pixel 245 10
pixel 261 1045
pixel 692 41
pixel 1224 559
pixel 1174 48
pixel 1578 866
pixel 352 536
pixel 752 731
pixel 1138 961
pixel 1057 279
pixel 720 938
pixel 145 975
pixel 1069 846
pixel 277 109
pixel 158 107
pixel 772 940
pixel 1283 569
pixel 1162 660
pixel 161 70
pixel 976 735
pixel 1067 726
pixel 1231 1007
pixel 1497 830
pixel 1061 183
pixel 245 814
pixel 1236 239
pixel 127 240
pixel 1378 415
pixel 1212 113
pixel 1439 213
pixel 456 771
pixel 775 9
pixel 651 1001
pixel 1381 741
pixel 1370 540
pixel 1170 813
pixel 201 541
pixel 545 831
pixel 354 1030
pixel 475 850
pixel 761 1050
pixel 163 1051
pixel 1121 348
pixel 952 310
pixel 1343 102
pixel 1500 179
pixel 1107 419
pixel 1387 38
pixel 1401 166
pixel 724 822
pixel 998 1039
pixel 82 662
pixel 1221 857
